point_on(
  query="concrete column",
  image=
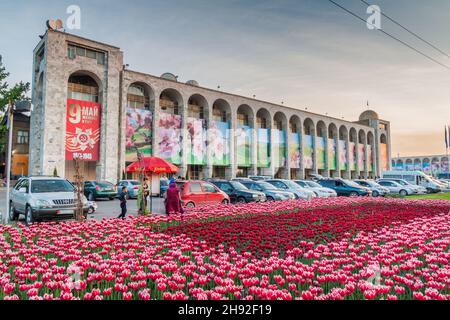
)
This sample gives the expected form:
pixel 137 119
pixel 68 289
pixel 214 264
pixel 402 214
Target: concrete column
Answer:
pixel 185 137
pixel 288 143
pixel 272 153
pixel 209 162
pixel 253 147
pixel 347 143
pixel 327 160
pixel 314 155
pixel 338 158
pixel 156 117
pixel 233 144
pixel 366 162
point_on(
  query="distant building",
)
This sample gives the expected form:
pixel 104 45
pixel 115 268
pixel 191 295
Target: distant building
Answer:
pixel 20 146
pixel 433 165
pixel 88 104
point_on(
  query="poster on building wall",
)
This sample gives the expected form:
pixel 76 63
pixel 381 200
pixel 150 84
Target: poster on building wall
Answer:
pixel 196 135
pixel 169 137
pixel 332 159
pixel 138 132
pixel 384 157
pixel 398 166
pixel 279 148
pixel 263 148
pixel 426 166
pixel 343 155
pixel 307 151
pixel 82 130
pixel 370 159
pixel 320 149
pixel 417 166
pixel 362 157
pixel 445 166
pixel 294 151
pixel 409 166
pixel 435 166
pixel 352 156
pixel 219 140
pixel 243 146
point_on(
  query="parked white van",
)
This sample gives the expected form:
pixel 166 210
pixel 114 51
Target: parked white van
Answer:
pixel 415 177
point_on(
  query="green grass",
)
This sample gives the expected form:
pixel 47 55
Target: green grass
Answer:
pixel 435 196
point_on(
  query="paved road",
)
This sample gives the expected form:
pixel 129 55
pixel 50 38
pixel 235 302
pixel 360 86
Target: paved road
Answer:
pixel 106 208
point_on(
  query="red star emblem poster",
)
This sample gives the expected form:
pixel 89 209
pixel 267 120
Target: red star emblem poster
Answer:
pixel 82 130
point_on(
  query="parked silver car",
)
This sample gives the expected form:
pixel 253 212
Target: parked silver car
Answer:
pixel 291 186
pixel 377 190
pixel 44 197
pixel 396 188
pixel 320 191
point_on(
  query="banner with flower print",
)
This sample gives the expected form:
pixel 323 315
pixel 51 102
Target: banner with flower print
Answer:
pixel 307 151
pixel 320 151
pixel 352 156
pixel 82 130
pixel 138 132
pixel 279 148
pixel 243 146
pixel 343 155
pixel 196 132
pixel 362 157
pixel 263 150
pixel 294 151
pixel 219 140
pixel 169 137
pixel 332 156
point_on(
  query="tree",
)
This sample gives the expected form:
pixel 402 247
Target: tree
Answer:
pixel 9 94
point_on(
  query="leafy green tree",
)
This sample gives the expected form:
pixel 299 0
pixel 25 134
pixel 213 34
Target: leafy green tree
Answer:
pixel 7 94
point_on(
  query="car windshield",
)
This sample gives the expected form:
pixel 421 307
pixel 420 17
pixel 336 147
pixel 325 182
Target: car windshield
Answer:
pixel 352 184
pixel 134 183
pixel 238 185
pixel 403 183
pixel 313 184
pixel 44 186
pixel 267 186
pixel 291 185
pixel 372 183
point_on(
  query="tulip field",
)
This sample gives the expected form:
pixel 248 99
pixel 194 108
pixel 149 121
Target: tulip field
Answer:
pixel 324 249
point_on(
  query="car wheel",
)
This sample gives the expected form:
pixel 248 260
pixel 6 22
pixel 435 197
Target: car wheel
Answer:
pixel 353 194
pixel 403 193
pixel 112 198
pixel 28 216
pixel 190 205
pixel 13 214
pixel 91 196
pixel 375 194
pixel 225 201
pixel 91 210
pixel 269 198
pixel 241 200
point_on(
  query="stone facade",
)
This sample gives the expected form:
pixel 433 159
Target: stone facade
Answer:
pixel 52 69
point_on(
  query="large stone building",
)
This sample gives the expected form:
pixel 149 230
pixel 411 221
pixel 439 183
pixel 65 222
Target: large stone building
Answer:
pixel 431 164
pixel 205 132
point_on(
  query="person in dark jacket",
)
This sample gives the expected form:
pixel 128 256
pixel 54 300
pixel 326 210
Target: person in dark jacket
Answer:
pixel 123 202
pixel 172 201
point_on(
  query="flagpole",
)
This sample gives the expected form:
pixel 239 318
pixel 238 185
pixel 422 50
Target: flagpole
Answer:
pixel 8 160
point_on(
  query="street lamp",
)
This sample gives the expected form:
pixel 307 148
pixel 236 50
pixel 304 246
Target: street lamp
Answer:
pixel 10 123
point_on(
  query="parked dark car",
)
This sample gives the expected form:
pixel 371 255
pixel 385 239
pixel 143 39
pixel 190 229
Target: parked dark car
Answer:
pixel 94 190
pixel 272 193
pixel 345 188
pixel 239 193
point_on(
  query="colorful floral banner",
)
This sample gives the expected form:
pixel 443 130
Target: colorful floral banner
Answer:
pixel 418 166
pixel 384 157
pixel 169 137
pixel 445 166
pixel 352 156
pixel 294 151
pixel 279 148
pixel 370 154
pixel 243 146
pixel 263 148
pixel 362 157
pixel 343 155
pixel 196 131
pixel 307 152
pixel 219 140
pixel 138 133
pixel 332 157
pixel 426 166
pixel 320 153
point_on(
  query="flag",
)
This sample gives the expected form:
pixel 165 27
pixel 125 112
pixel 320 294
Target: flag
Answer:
pixel 446 137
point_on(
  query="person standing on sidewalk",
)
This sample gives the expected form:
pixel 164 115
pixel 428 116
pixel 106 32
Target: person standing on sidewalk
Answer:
pixel 123 203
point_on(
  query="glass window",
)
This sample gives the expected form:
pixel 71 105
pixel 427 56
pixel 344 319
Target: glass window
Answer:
pixel 195 187
pixel 22 137
pixel 46 186
pixel 81 51
pixel 209 188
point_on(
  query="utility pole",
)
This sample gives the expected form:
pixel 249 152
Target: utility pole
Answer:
pixel 79 216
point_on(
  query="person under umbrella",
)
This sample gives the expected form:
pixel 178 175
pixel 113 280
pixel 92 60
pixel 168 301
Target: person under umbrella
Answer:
pixel 172 201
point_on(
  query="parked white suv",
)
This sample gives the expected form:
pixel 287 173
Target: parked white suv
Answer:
pixel 44 197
